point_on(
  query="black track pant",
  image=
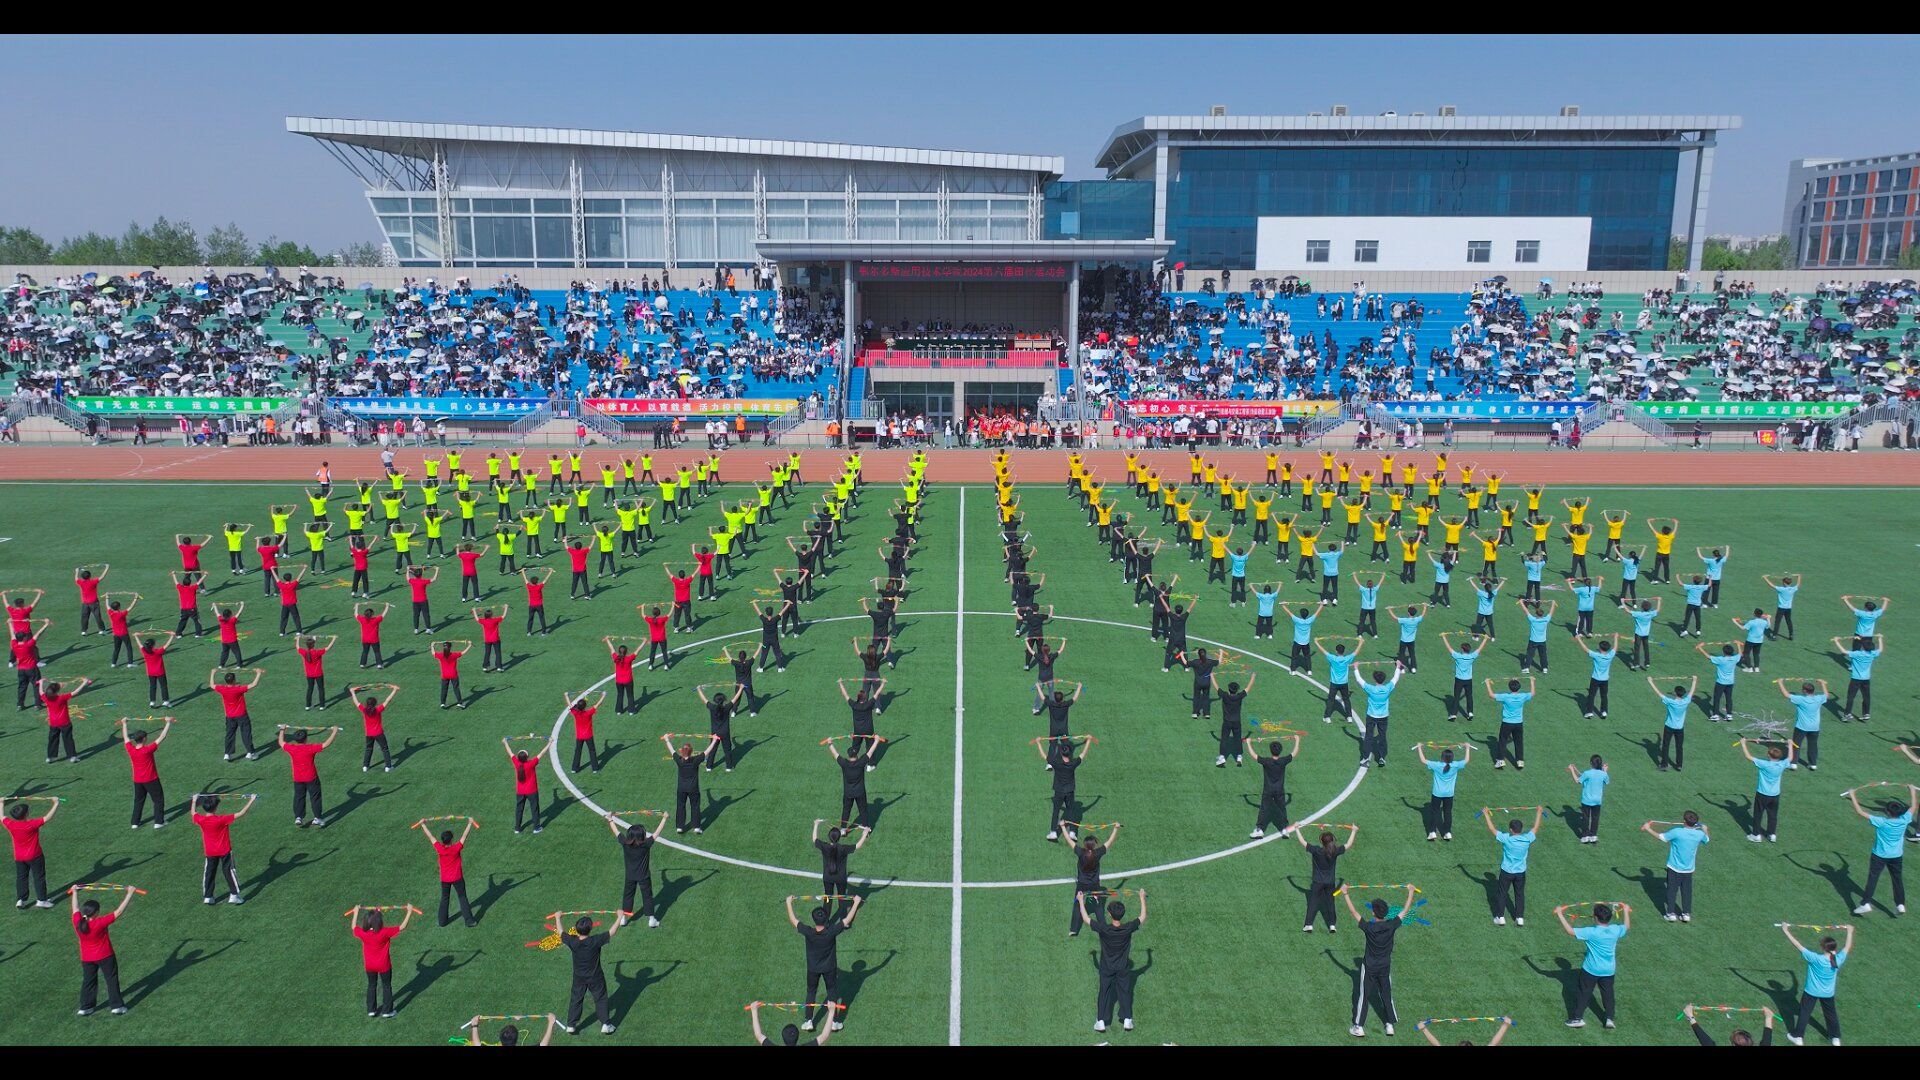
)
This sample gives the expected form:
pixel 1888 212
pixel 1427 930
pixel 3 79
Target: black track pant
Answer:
pixel 366 754
pixel 1829 1009
pixel 1375 987
pixel 379 992
pixel 149 790
pixel 1511 744
pixel 686 809
pixel 1440 814
pixel 450 890
pixel 1273 811
pixel 816 981
pixel 1584 997
pixel 1510 895
pixel 1766 812
pixel 30 871
pixel 92 973
pixel 1679 893
pixel 1116 989
pixel 1875 864
pixel 644 886
pixel 217 868
pixel 1589 820
pixel 1320 904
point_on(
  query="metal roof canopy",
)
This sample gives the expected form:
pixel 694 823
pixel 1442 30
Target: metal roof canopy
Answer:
pixel 793 251
pixel 1136 137
pixel 403 137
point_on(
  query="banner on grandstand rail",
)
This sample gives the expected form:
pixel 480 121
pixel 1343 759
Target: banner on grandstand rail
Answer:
pixel 1484 410
pixel 1229 408
pixel 976 271
pixel 693 406
pixel 178 404
pixel 480 408
pixel 1745 410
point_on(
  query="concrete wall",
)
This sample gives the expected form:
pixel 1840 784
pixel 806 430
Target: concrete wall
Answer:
pixel 1425 243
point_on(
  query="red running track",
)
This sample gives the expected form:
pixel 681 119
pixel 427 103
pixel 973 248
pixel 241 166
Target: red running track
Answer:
pixel 1703 469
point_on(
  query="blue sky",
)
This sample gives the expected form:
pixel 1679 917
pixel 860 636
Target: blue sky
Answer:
pixel 193 127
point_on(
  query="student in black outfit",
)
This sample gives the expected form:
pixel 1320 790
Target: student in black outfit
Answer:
pixel 720 710
pixel 636 852
pixel 1058 755
pixel 1325 855
pixel 1201 665
pixel 1375 979
pixel 1086 872
pixel 789 1035
pixel 1231 736
pixel 1740 1036
pixel 853 781
pixel 1273 784
pixel 834 878
pixel 1115 962
pixel 686 792
pixel 585 945
pixel 823 959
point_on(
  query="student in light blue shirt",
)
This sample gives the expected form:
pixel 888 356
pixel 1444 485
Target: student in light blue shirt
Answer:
pixel 1642 612
pixel 1602 939
pixel 1409 619
pixel 1673 730
pixel 1783 590
pixel 1302 615
pixel 1766 793
pixel 1683 846
pixel 1339 664
pixel 1584 591
pixel 1373 739
pixel 1237 577
pixel 1460 702
pixel 1329 556
pixel 1820 985
pixel 1889 844
pixel 1510 889
pixel 1442 581
pixel 1866 613
pixel 1539 618
pixel 1715 564
pixel 1725 663
pixel 1511 744
pixel 1445 772
pixel 1534 565
pixel 1602 654
pixel 1860 654
pixel 1485 591
pixel 1264 595
pixel 1755 627
pixel 1807 705
pixel 1696 591
pixel 1368 586
pixel 1629 573
pixel 1593 787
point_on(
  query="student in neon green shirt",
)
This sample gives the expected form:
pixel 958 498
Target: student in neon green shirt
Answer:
pixel 583 503
pixel 365 493
pixel 629 526
pixel 453 461
pixel 280 515
pixel 432 465
pixel 468 506
pixel 513 463
pixel 402 536
pixel 433 519
pixel 390 504
pixel 356 519
pixel 643 517
pixel 430 493
pixel 317 534
pixel 397 480
pixel 607 473
pixel 236 536
pixel 534 522
pixel 504 540
pixel 559 509
pixel 462 482
pixel 605 534
pixel 669 493
pixel 319 504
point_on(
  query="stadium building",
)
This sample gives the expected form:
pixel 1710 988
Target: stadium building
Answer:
pixel 1852 214
pixel 1272 193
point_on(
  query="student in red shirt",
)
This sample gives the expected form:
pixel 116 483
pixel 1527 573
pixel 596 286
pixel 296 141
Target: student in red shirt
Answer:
pixel 289 589
pixel 682 599
pixel 190 550
pixel 26 664
pixel 372 705
pixel 418 578
pixel 526 781
pixel 59 705
pixel 87 579
pixel 536 579
pixel 29 859
pixel 491 658
pixel 581 709
pixel 469 557
pixel 227 621
pixel 623 658
pixel 306 773
pixel 146 771
pixel 269 549
pixel 369 621
pixel 376 953
pixel 186 584
pixel 577 553
pixel 20 610
pixel 233 705
pixel 657 638
pixel 313 664
pixel 453 875
pixel 97 961
pixel 703 569
pixel 153 653
pixel 216 842
pixel 360 548
pixel 447 654
pixel 117 616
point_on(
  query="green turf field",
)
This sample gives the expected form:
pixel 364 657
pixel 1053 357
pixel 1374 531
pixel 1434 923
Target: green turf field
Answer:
pixel 1222 958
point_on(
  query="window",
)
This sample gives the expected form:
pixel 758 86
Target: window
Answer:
pixel 1319 250
pixel 1526 251
pixel 1479 251
pixel 1366 251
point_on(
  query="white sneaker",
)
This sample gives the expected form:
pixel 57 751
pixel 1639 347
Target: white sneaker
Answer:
pixel 1863 909
pixel 1255 834
pixel 1433 836
pixel 1499 920
pixel 1686 916
pixel 1518 921
pixel 1099 1025
pixel 1357 1031
pixel 653 920
pixel 1796 1040
pixel 606 1029
pixel 1389 1028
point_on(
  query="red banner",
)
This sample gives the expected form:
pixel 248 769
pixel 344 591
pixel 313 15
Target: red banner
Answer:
pixel 692 406
pixel 1227 408
pixel 988 271
pixel 1015 358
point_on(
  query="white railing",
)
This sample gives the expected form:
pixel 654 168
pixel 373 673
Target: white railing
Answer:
pixel 601 424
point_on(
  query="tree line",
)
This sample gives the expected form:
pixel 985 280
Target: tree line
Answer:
pixel 172 243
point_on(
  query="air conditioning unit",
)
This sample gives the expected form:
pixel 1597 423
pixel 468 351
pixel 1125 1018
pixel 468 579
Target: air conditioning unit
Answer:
pixel 1419 114
pixel 1569 110
pixel 1217 110
pixel 1339 110
pixel 1449 110
pixel 1389 112
pixel 1316 114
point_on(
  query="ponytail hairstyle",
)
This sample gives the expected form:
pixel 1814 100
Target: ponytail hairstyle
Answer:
pixel 88 910
pixel 1832 949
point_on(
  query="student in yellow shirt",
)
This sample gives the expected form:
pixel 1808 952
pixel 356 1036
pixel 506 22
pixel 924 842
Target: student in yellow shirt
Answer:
pixel 1378 524
pixel 1217 554
pixel 1539 526
pixel 1616 523
pixel 1326 496
pixel 1262 512
pixel 1238 496
pixel 1303 570
pixel 1353 507
pixel 1450 533
pixel 1273 468
pixel 1422 514
pixel 1196 532
pixel 1579 535
pixel 1409 554
pixel 1282 537
pixel 1286 479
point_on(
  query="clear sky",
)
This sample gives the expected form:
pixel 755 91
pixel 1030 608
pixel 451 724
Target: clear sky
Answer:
pixel 95 132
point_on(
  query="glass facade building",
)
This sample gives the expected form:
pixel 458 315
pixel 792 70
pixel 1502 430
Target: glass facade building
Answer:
pixel 1099 210
pixel 1216 197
